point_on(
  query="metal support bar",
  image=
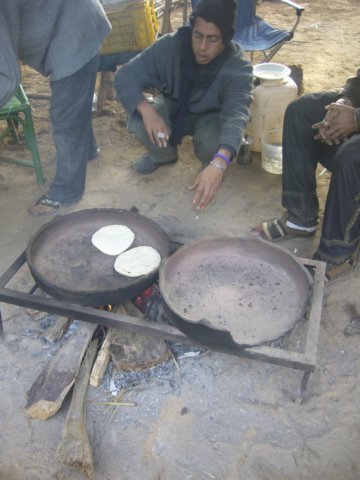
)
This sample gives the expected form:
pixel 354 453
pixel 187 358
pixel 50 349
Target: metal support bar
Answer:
pixel 13 269
pixel 275 355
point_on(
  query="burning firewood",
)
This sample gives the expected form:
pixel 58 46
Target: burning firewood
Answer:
pixel 74 448
pixel 56 331
pixel 134 351
pixel 101 362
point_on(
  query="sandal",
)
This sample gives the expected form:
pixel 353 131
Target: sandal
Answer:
pixel 45 206
pixel 276 229
pixel 334 271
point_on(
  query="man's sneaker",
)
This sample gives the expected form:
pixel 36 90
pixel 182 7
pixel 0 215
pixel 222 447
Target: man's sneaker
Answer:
pixel 146 165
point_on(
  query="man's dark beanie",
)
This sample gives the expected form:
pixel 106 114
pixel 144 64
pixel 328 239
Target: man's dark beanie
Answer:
pixel 220 12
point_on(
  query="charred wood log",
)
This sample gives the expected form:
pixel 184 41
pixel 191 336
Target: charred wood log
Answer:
pixel 47 393
pixel 74 448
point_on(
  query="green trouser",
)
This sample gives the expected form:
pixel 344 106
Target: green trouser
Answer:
pixel 204 129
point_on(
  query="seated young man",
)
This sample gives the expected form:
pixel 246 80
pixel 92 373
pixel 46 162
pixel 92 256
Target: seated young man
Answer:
pixel 322 128
pixel 205 80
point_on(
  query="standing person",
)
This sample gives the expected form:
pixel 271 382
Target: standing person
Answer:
pixel 205 80
pixel 322 128
pixel 60 39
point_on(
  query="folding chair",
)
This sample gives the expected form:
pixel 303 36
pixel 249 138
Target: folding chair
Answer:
pixel 255 35
pixel 18 111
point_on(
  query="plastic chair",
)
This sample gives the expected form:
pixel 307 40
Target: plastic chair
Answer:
pixel 18 111
pixel 255 35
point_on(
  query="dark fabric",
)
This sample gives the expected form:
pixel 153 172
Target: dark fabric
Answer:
pixel 253 33
pixel 258 35
pixel 55 38
pixel 109 63
pixel 220 12
pixel 352 89
pixel 193 75
pixel 70 113
pixel 340 232
pixel 204 128
pixel 301 155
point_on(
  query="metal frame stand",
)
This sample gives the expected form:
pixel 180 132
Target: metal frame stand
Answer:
pixel 275 355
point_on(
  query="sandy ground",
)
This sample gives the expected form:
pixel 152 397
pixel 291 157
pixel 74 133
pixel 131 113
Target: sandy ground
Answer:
pixel 210 416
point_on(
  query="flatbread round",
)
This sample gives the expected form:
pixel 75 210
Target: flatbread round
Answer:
pixel 113 239
pixel 138 261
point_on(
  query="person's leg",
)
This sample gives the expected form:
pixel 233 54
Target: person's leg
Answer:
pixel 301 154
pixel 70 113
pixel 205 130
pixel 94 151
pixel 340 234
pixel 156 156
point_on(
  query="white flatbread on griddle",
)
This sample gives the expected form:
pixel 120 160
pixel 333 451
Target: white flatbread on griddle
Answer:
pixel 113 239
pixel 138 261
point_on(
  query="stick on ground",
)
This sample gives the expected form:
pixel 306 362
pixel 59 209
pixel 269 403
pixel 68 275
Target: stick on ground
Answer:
pixel 74 448
pixel 101 362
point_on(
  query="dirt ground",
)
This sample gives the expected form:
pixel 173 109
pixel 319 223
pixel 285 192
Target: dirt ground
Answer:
pixel 210 415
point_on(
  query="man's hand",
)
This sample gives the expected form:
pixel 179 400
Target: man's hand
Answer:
pixel 207 184
pixel 155 126
pixel 338 124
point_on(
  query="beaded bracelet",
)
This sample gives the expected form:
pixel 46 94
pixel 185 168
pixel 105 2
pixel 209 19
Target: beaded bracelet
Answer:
pixel 224 157
pixel 216 165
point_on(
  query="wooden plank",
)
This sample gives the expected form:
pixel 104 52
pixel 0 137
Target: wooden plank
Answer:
pixel 133 351
pixel 101 362
pixel 166 24
pixel 56 331
pixel 74 448
pixel 106 89
pixel 47 393
pixel 185 12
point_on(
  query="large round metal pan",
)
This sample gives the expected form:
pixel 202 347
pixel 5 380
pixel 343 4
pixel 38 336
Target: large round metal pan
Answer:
pixel 66 265
pixel 234 291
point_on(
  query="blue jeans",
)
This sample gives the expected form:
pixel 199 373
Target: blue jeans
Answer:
pixel 340 234
pixel 70 113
